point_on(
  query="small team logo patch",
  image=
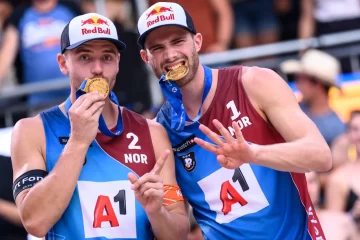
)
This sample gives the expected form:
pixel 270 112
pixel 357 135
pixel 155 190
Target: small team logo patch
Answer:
pixel 188 161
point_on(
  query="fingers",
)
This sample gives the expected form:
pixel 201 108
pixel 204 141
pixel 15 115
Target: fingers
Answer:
pixel 146 178
pixel 238 134
pixel 132 177
pixel 212 135
pixel 87 100
pixel 160 162
pixel 206 145
pixel 150 188
pixel 223 131
pixel 96 109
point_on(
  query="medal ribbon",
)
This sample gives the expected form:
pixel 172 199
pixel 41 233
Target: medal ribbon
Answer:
pixel 173 94
pixel 102 124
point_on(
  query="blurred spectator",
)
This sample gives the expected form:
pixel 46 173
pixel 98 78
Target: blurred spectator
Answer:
pixel 10 223
pixel 32 38
pixel 336 224
pixel 255 22
pixel 213 19
pixel 341 150
pixel 343 189
pixel 5 11
pixel 315 74
pixel 323 16
pixel 288 14
pixel 132 82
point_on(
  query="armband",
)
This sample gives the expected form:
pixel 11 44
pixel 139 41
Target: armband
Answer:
pixel 27 180
pixel 172 194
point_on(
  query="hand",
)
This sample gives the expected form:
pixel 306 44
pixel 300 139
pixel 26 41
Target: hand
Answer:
pixel 84 117
pixel 231 153
pixel 149 189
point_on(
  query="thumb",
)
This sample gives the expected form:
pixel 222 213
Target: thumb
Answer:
pixel 132 177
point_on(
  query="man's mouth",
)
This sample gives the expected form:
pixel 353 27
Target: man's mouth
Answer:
pixel 174 67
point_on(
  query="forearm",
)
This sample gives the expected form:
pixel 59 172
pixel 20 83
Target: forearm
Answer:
pixel 47 200
pixel 298 156
pixel 176 225
pixel 306 22
pixel 9 212
pixel 225 29
pixel 306 27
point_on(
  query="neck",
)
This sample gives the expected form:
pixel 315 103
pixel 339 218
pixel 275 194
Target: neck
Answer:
pixel 192 93
pixel 319 105
pixel 44 6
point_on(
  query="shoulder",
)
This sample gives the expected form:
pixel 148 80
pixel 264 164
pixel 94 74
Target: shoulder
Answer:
pixel 29 128
pixel 256 76
pixel 156 128
pixel 265 87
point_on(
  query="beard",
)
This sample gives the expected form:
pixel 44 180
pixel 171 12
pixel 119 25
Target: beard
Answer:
pixel 193 66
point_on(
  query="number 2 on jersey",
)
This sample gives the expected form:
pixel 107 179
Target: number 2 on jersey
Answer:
pixel 134 141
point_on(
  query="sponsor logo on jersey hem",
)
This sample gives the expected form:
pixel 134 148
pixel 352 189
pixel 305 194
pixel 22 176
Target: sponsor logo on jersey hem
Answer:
pixel 184 145
pixel 64 140
pixel 188 160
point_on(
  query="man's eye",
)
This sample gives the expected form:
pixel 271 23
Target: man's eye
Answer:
pixel 84 57
pixel 156 48
pixel 107 58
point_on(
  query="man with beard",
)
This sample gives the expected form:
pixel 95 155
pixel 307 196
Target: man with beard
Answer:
pixel 89 168
pixel 248 140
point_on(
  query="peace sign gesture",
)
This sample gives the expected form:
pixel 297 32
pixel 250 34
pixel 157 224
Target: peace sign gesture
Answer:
pixel 231 152
pixel 149 189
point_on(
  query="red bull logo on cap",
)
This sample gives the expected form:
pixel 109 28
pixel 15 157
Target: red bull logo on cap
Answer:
pixel 159 12
pixel 98 24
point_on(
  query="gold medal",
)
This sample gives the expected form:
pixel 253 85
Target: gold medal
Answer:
pixel 97 84
pixel 177 73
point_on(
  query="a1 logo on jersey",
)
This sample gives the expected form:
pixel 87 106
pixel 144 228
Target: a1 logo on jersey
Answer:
pixel 188 160
pixel 233 193
pixel 108 209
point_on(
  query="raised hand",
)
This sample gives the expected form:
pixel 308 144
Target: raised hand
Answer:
pixel 84 117
pixel 149 189
pixel 231 152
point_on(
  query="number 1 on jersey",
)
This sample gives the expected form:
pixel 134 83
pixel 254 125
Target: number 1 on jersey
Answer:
pixel 236 113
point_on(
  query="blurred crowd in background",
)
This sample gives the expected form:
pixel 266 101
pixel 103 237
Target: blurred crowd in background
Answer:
pixel 327 85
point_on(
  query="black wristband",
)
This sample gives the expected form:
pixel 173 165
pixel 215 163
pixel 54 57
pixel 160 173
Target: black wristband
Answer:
pixel 27 180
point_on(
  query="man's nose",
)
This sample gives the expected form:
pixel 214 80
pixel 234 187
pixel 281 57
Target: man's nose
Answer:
pixel 97 68
pixel 170 54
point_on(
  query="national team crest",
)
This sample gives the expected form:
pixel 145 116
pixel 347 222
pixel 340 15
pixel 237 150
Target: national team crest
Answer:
pixel 188 161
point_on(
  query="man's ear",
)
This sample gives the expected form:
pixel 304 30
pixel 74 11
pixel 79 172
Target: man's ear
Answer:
pixel 144 56
pixel 198 41
pixel 61 59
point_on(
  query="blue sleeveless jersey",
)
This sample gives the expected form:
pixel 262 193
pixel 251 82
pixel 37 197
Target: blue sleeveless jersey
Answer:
pixel 103 206
pixel 251 202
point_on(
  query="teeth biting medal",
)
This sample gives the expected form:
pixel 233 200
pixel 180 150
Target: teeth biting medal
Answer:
pixel 177 73
pixel 97 84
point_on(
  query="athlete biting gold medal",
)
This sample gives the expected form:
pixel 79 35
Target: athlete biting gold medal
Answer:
pixel 177 72
pixel 98 84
